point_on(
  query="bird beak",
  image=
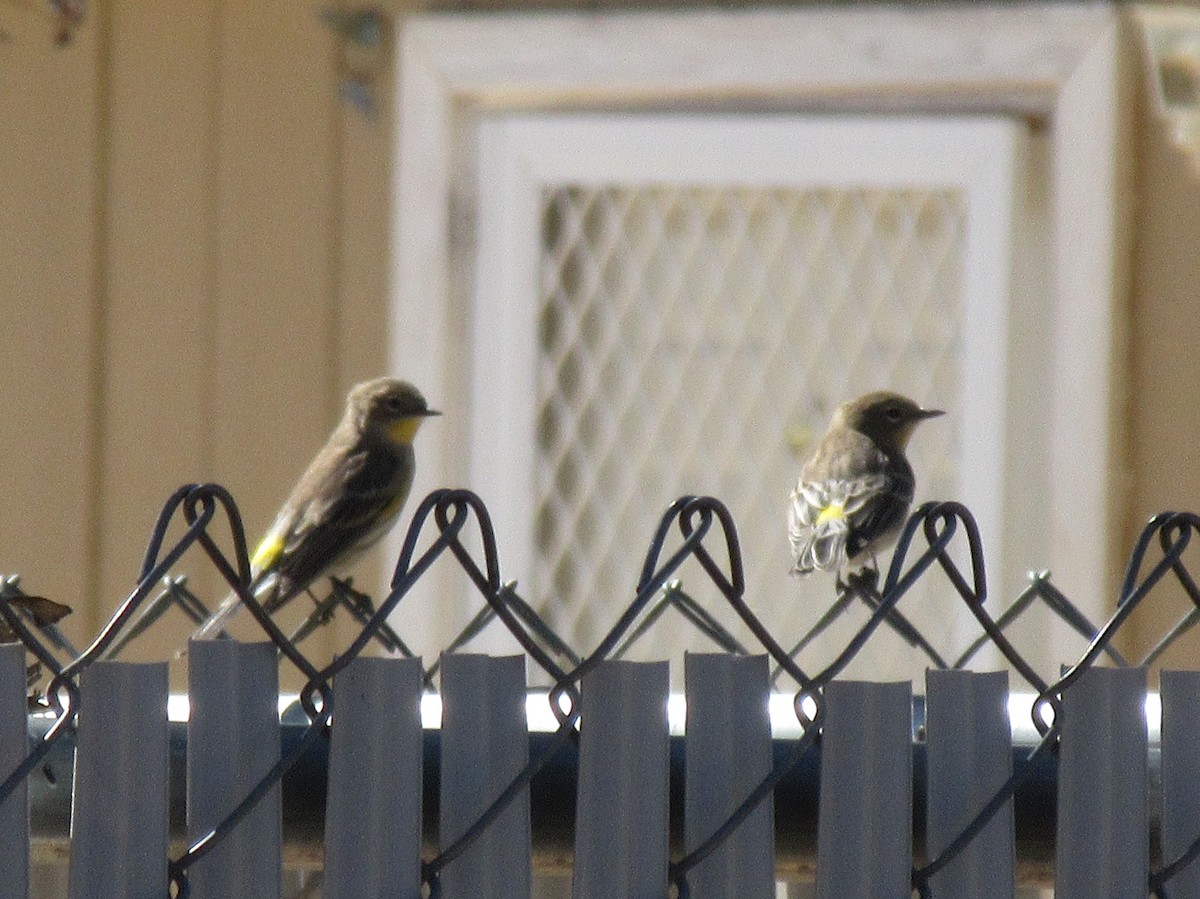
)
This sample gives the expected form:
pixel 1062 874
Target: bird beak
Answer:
pixel 929 413
pixel 429 412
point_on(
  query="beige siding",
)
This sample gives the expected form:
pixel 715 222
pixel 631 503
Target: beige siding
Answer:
pixel 158 288
pixel 1165 375
pixel 49 310
pixel 193 235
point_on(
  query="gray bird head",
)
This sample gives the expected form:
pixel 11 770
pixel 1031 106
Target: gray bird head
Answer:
pixel 392 407
pixel 887 418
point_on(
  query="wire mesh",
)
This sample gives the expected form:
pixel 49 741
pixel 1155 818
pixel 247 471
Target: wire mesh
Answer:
pixel 698 531
pixel 663 308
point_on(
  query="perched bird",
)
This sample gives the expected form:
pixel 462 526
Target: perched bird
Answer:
pixel 855 489
pixel 347 500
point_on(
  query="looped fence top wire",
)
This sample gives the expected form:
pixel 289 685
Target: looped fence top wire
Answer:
pixel 699 528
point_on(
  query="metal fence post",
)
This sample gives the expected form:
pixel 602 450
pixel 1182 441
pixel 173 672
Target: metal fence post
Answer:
pixel 233 740
pixel 373 805
pixel 119 814
pixel 485 744
pixel 1180 787
pixel 14 746
pixel 1103 830
pixel 621 820
pixel 968 758
pixel 864 819
pixel 728 754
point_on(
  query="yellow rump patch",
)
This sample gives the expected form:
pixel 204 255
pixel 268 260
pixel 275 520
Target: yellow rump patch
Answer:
pixel 831 512
pixel 266 554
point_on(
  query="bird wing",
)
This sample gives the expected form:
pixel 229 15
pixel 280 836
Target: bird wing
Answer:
pixel 308 538
pixel 877 521
pixel 824 515
pixel 353 506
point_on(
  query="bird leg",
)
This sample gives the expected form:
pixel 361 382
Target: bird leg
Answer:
pixel 865 581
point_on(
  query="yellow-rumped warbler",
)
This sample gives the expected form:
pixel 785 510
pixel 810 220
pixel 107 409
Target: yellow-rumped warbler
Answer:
pixel 854 491
pixel 348 498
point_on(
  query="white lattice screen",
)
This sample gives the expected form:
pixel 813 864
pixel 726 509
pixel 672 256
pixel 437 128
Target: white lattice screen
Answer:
pixel 675 305
pixel 695 339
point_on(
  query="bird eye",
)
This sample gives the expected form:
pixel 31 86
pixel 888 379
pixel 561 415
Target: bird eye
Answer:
pixel 894 413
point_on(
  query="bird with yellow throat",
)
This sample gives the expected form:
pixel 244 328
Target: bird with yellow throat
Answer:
pixel 348 498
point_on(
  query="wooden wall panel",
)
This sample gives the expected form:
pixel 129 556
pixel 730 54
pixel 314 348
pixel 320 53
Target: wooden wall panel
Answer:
pixel 48 312
pixel 193 235
pixel 363 219
pixel 1165 377
pixel 365 148
pixel 159 263
pixel 276 394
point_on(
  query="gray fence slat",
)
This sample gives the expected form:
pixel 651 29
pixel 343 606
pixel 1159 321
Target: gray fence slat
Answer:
pixel 14 745
pixel 968 758
pixel 728 754
pixel 1103 843
pixel 233 740
pixel 864 821
pixel 621 820
pixel 374 792
pixel 119 812
pixel 485 744
pixel 1180 786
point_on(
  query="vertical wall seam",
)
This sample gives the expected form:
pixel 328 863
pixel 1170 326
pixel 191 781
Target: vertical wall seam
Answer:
pixel 212 218
pixel 98 367
pixel 336 283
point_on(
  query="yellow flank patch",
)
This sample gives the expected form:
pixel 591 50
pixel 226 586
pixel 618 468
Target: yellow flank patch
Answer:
pixel 404 430
pixel 268 551
pixel 830 512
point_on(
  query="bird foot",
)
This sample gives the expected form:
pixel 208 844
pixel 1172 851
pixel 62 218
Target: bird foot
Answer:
pixel 864 580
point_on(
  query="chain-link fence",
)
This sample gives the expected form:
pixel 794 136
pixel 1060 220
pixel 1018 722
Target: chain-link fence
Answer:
pixel 609 729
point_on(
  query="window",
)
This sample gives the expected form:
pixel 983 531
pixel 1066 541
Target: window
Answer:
pixel 516 166
pixel 678 303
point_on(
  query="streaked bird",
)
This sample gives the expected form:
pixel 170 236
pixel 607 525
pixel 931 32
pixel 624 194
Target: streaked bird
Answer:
pixel 855 489
pixel 347 499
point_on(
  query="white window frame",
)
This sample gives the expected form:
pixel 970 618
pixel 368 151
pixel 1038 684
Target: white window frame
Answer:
pixel 1062 66
pixel 520 155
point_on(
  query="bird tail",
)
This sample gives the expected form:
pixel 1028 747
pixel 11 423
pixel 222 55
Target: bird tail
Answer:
pixel 232 604
pixel 216 622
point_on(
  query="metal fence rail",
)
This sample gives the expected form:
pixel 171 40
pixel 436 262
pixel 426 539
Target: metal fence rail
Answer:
pixel 611 727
